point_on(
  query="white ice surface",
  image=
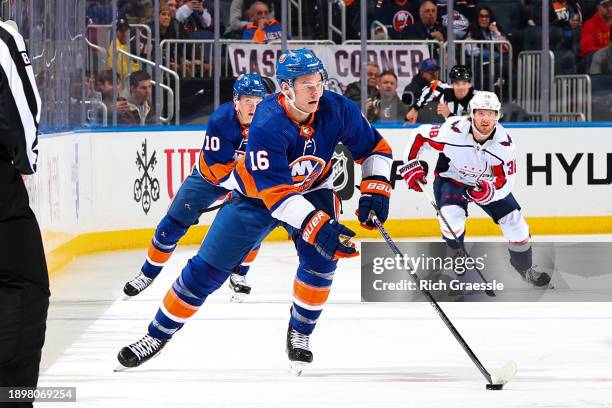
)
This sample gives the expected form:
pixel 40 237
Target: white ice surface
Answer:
pixel 366 355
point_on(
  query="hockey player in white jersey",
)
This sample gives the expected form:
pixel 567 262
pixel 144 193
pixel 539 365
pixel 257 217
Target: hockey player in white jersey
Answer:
pixel 476 163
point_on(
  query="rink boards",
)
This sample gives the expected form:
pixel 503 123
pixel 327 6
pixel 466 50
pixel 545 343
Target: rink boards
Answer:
pixel 107 190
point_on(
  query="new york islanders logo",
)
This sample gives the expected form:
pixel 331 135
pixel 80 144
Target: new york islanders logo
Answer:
pixel 401 19
pixel 305 171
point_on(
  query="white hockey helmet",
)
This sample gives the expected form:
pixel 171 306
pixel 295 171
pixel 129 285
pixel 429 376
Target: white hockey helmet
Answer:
pixel 485 100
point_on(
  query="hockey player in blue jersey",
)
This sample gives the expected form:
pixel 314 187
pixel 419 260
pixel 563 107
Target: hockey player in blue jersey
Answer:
pixel 224 144
pixel 285 179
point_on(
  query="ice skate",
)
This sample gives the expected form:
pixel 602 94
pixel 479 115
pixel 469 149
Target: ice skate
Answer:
pixel 298 351
pixel 137 353
pixel 139 283
pixel 240 288
pixel 537 279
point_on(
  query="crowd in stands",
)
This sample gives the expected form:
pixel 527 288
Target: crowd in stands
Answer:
pixel 579 37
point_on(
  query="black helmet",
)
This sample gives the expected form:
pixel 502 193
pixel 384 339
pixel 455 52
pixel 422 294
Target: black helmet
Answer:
pixel 460 73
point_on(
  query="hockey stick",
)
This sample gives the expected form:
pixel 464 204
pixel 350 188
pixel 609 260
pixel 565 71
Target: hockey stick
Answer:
pixel 489 292
pixel 501 376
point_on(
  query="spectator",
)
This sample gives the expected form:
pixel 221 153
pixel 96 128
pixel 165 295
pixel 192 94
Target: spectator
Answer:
pixel 596 31
pixel 484 27
pixel 465 9
pixel 123 63
pixel 561 12
pixel 263 28
pixel 429 71
pixel 239 17
pixel 602 61
pixel 388 107
pixel 196 18
pixel 460 25
pixel 104 87
pixel 172 6
pixel 140 111
pixel 353 90
pixel 396 15
pixel 172 29
pixel 428 27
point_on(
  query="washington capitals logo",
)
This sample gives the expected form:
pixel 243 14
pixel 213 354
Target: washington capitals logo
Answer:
pixel 146 188
pixel 507 142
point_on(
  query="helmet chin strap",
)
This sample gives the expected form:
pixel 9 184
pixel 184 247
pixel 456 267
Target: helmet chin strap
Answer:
pixel 291 101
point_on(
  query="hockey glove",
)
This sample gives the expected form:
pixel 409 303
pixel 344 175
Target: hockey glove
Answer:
pixel 330 238
pixel 375 195
pixel 412 172
pixel 482 193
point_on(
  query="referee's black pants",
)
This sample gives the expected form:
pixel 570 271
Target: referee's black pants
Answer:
pixel 23 317
pixel 23 305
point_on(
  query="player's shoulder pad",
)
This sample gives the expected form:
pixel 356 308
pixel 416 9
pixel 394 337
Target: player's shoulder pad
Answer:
pixel 503 137
pixel 456 125
pixel 268 112
pixel 223 113
pixel 338 103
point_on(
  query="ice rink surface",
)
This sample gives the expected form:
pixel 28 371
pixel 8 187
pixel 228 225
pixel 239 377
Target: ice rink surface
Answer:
pixel 365 355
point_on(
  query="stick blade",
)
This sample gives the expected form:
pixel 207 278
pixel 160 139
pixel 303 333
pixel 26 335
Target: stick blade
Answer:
pixel 505 373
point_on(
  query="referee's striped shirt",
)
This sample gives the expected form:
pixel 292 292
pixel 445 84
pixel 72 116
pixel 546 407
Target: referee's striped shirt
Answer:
pixel 443 93
pixel 19 103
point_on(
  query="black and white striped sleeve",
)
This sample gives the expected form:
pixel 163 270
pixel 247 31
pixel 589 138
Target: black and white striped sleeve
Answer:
pixel 432 92
pixel 19 101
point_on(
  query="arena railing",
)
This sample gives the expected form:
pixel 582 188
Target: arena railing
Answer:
pixel 331 28
pixel 298 5
pixel 571 97
pixel 376 26
pixel 529 79
pixel 486 58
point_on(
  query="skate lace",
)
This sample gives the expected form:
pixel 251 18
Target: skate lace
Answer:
pixel 299 340
pixel 145 346
pixel 532 274
pixel 140 282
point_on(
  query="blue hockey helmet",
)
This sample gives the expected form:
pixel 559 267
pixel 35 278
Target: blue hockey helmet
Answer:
pixel 249 84
pixel 295 63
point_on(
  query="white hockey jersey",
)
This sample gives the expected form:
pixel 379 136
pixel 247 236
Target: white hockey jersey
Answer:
pixel 462 158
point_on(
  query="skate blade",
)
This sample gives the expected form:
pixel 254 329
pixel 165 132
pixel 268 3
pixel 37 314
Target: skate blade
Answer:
pixel 120 368
pixel 505 373
pixel 237 297
pixel 296 367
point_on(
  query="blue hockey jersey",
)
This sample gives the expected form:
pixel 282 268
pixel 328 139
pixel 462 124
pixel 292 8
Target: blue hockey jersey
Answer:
pixel 224 144
pixel 285 159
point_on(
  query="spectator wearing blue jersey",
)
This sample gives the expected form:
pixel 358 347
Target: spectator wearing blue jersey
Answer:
pixel 263 28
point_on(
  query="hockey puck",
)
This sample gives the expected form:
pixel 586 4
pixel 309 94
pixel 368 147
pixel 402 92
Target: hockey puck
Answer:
pixel 495 386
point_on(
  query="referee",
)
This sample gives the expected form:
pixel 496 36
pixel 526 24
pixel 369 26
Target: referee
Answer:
pixel 24 282
pixel 452 99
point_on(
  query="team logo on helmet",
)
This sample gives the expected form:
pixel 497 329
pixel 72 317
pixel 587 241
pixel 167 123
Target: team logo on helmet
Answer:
pixel 282 58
